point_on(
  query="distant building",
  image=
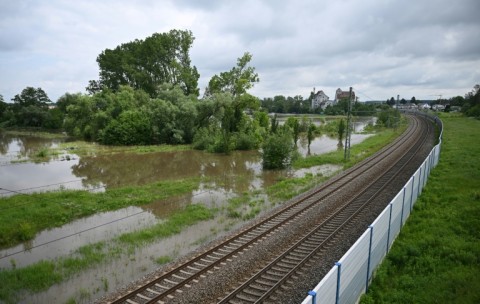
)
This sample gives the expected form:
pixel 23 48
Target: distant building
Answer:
pixel 320 99
pixel 339 95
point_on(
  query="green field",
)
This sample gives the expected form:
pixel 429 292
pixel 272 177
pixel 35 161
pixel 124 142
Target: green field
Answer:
pixel 436 257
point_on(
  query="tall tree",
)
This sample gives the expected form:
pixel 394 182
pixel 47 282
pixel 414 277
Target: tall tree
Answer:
pixel 32 97
pixel 391 101
pixel 146 64
pixel 294 125
pixel 30 108
pixel 236 81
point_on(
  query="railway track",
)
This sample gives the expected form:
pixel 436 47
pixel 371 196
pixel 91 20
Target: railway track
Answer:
pixel 174 282
pixel 264 284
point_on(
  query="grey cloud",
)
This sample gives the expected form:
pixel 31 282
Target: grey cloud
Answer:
pixel 380 46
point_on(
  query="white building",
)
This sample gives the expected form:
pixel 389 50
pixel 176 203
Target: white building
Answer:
pixel 320 99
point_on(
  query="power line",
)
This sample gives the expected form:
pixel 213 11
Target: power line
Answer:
pixel 21 191
pixel 91 228
pixel 364 94
pixel 70 235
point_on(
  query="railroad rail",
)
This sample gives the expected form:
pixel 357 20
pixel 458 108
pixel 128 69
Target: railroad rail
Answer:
pixel 267 281
pixel 176 281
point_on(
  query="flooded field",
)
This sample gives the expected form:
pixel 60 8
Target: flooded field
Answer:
pixel 228 176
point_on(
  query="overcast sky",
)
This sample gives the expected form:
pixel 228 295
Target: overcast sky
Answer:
pixel 420 48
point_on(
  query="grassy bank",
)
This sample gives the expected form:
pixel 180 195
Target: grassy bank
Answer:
pixel 23 216
pixel 436 258
pixel 358 152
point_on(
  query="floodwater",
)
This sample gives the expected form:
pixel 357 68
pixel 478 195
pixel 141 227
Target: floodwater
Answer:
pixel 228 176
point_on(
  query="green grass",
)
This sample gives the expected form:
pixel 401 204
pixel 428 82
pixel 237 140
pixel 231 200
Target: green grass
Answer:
pixel 246 206
pixel 22 216
pixel 288 188
pixel 358 152
pixel 40 276
pixel 164 259
pixel 436 258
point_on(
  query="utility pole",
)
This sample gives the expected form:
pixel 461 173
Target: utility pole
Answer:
pixel 395 121
pixel 348 136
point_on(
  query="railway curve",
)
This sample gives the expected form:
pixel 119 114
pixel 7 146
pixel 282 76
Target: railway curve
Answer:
pixel 272 259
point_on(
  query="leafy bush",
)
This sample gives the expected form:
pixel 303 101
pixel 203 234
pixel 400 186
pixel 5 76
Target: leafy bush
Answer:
pixel 278 150
pixel 202 139
pixel 131 128
pixel 245 142
pixel 388 118
pixel 223 143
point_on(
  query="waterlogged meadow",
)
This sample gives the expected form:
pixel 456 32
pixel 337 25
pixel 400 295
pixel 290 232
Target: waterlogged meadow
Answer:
pixel 23 216
pixel 189 211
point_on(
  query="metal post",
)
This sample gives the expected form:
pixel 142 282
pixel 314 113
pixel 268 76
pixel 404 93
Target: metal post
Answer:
pixel 411 196
pixel 314 296
pixel 337 295
pixel 389 225
pixel 419 183
pixel 348 136
pixel 403 205
pixel 369 257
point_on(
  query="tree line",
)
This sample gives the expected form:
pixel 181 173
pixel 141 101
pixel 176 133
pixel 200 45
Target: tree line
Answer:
pixel 147 93
pixel 298 105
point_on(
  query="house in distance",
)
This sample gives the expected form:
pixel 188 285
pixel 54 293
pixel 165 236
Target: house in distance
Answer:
pixel 321 100
pixel 339 95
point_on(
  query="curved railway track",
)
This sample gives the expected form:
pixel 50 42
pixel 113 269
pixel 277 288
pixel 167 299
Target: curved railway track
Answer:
pixel 267 281
pixel 263 284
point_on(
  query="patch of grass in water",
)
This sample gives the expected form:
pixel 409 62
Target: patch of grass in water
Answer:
pixel 23 216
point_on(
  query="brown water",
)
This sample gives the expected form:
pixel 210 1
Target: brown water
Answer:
pixel 229 176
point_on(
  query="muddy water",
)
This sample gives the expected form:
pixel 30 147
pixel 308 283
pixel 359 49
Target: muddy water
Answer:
pixel 229 176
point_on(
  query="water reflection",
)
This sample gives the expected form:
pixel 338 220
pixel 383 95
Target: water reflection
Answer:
pixel 20 147
pixel 233 171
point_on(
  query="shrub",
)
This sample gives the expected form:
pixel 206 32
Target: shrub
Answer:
pixel 278 150
pixel 202 139
pixel 245 142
